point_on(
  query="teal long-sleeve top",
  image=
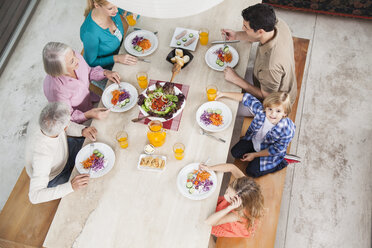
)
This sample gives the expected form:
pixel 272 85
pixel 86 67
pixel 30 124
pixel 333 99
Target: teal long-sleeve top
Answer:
pixel 100 45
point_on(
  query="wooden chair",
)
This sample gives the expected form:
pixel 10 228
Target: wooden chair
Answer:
pixel 272 184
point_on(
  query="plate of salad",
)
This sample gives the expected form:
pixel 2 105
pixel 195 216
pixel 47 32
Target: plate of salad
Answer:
pixel 161 101
pixel 141 43
pixel 214 116
pixel 120 99
pixel 218 57
pixel 97 160
pixel 196 184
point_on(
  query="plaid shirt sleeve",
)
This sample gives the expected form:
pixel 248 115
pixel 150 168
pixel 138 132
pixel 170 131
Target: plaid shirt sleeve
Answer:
pixel 252 103
pixel 282 136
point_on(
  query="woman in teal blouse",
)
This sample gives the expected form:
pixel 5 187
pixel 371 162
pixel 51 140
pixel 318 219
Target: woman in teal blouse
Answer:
pixel 102 33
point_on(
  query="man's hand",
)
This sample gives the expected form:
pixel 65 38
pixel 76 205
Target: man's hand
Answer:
pixel 90 133
pixel 248 157
pixel 80 181
pixel 230 34
pixel 230 75
pixel 112 76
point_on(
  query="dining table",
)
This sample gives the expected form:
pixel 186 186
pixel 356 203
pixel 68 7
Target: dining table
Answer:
pixel 133 208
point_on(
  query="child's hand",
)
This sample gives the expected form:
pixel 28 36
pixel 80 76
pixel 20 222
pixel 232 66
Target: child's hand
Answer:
pixel 203 167
pixel 248 157
pixel 236 202
pixel 219 95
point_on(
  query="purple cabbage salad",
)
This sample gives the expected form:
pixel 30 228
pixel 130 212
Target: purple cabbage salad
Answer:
pixel 205 118
pixel 136 40
pixel 124 95
pixel 204 186
pixel 98 164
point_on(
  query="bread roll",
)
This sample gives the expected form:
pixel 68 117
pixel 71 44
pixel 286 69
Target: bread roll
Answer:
pixel 179 52
pixel 186 58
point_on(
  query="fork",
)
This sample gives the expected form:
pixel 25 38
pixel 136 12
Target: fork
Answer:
pixel 210 135
pixel 91 148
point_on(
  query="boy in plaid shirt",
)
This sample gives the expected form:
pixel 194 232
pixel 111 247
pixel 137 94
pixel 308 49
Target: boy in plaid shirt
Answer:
pixel 265 143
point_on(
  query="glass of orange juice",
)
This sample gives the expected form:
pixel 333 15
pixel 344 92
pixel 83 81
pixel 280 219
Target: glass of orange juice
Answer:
pixel 203 36
pixel 156 134
pixel 142 80
pixel 179 150
pixel 130 19
pixel 122 138
pixel 211 92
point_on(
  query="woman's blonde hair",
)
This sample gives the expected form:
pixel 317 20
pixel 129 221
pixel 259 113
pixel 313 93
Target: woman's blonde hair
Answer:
pixel 278 98
pixel 54 58
pixel 90 5
pixel 249 191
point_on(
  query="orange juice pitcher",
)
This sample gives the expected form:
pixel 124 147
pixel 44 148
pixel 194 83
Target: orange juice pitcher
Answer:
pixel 156 133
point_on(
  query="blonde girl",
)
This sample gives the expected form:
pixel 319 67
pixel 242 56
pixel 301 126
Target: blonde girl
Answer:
pixel 240 209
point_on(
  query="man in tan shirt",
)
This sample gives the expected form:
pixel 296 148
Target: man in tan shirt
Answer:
pixel 50 154
pixel 274 68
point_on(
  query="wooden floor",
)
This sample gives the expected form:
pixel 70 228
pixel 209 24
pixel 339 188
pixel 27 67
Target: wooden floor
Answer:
pixel 272 184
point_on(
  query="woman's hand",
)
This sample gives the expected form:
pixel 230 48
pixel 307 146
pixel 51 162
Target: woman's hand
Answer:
pixel 230 34
pixel 112 76
pixel 97 113
pixel 125 59
pixel 230 75
pixel 80 181
pixel 90 133
pixel 236 202
pixel 248 157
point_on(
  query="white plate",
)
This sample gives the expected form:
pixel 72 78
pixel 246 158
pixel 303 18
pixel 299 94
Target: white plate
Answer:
pixel 176 90
pixel 211 58
pixel 145 168
pixel 86 151
pixel 226 116
pixel 146 35
pixel 182 180
pixel 107 96
pixel 190 47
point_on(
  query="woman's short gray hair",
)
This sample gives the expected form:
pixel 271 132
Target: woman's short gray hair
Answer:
pixel 54 118
pixel 54 58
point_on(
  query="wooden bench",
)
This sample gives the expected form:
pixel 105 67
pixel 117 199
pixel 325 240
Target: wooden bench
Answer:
pixel 23 224
pixel 272 184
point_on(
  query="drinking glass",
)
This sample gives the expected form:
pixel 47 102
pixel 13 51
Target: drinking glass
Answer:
pixel 122 138
pixel 179 150
pixel 131 21
pixel 211 92
pixel 142 80
pixel 203 36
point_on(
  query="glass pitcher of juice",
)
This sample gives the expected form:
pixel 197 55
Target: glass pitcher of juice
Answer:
pixel 156 133
pixel 211 92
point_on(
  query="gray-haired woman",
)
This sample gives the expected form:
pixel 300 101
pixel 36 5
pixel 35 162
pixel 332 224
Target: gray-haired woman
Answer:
pixel 68 81
pixel 50 154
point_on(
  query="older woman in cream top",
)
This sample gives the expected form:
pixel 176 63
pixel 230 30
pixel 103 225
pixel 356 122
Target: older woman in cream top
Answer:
pixel 68 81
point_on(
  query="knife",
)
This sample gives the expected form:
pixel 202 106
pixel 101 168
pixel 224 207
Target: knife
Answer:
pixel 144 60
pixel 136 29
pixel 223 42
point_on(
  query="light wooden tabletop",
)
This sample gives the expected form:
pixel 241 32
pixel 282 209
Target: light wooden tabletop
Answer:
pixel 132 208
